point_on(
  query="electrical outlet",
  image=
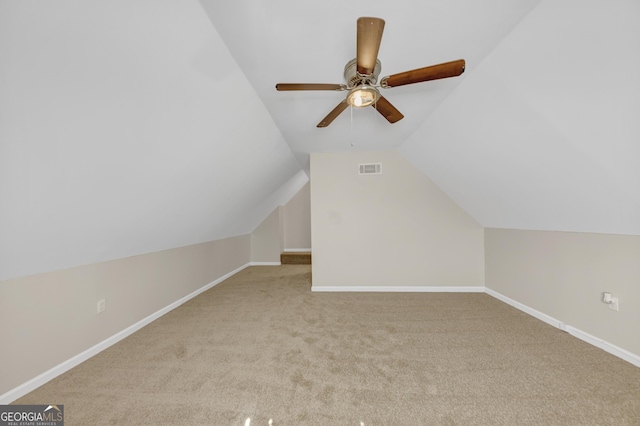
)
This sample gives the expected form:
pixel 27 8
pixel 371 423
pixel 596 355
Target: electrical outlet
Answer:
pixel 614 305
pixel 102 305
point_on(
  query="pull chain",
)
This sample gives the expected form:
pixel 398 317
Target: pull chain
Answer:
pixel 352 134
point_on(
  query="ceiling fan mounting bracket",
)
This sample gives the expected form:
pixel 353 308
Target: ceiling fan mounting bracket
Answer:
pixel 354 78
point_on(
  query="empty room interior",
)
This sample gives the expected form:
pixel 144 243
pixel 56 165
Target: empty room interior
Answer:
pixel 478 219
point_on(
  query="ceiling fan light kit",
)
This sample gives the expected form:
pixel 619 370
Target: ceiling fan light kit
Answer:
pixel 361 75
pixel 363 96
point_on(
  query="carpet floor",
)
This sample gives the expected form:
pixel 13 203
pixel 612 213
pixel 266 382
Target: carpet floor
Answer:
pixel 261 349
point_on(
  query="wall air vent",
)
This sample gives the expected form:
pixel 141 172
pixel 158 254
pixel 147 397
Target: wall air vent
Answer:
pixel 370 169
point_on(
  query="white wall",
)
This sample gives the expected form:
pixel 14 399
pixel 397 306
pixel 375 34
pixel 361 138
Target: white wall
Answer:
pixel 297 221
pixel 393 229
pixel 563 275
pixel 267 239
pixel 49 318
pixel 287 227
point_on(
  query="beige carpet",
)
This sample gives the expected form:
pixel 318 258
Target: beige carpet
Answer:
pixel 262 346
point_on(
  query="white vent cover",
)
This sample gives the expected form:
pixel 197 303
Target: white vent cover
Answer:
pixel 370 169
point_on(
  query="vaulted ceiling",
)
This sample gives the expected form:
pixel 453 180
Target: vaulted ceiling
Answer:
pixel 133 126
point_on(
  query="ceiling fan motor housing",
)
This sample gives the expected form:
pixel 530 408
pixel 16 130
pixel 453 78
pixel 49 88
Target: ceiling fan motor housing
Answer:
pixel 354 78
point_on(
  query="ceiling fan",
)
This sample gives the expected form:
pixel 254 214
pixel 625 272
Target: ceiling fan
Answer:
pixel 362 73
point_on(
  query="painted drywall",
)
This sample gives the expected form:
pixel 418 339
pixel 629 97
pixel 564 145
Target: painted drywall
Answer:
pixel 563 275
pixel 392 229
pixel 543 133
pixel 49 318
pixel 297 221
pixel 287 227
pixel 294 41
pixel 266 239
pixel 124 131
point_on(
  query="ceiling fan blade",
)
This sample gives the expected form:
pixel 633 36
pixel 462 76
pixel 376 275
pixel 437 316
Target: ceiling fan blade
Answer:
pixel 387 110
pixel 333 114
pixel 368 43
pixel 433 72
pixel 310 86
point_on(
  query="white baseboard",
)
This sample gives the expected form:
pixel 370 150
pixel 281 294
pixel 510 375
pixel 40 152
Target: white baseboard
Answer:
pixel 52 373
pixel 595 341
pixel 264 264
pixel 401 289
pixel 524 308
pixel 297 250
pixel 586 337
pixel 606 346
pixel 67 365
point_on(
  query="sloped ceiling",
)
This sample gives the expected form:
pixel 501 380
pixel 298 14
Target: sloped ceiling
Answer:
pixel 126 127
pixel 540 132
pixel 293 41
pixel 129 127
pixel 545 132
